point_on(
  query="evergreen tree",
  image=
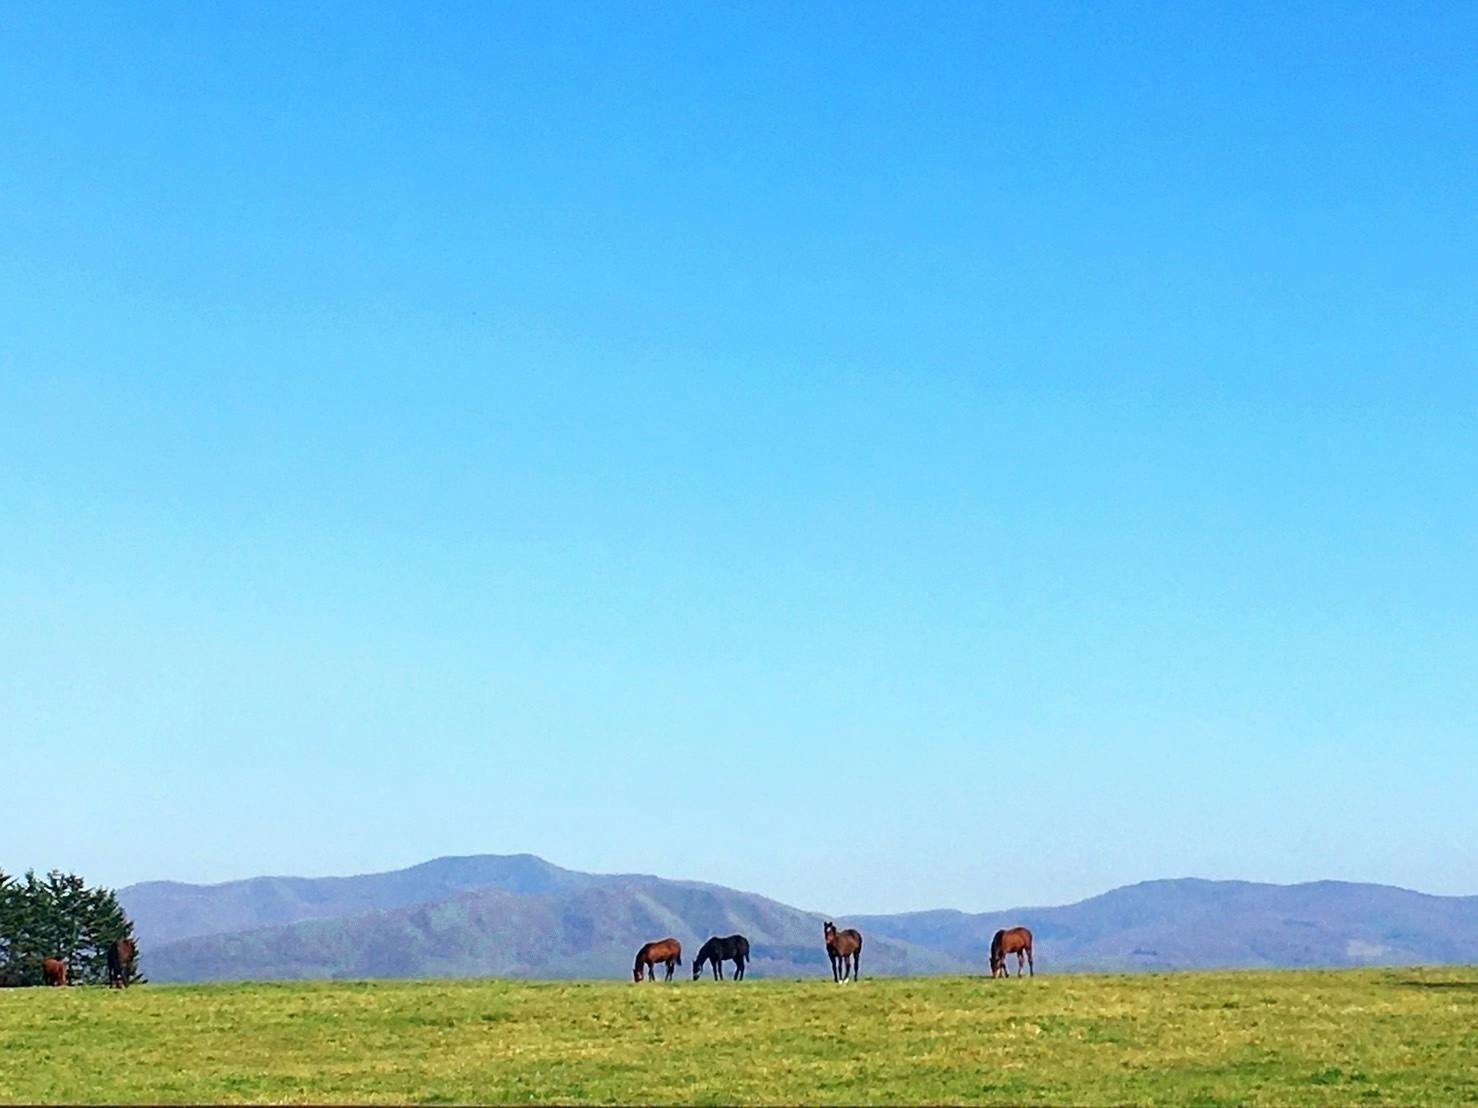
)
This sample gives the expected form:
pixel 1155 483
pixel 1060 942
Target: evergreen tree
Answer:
pixel 57 916
pixel 9 920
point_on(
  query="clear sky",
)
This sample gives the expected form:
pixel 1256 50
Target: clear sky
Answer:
pixel 882 456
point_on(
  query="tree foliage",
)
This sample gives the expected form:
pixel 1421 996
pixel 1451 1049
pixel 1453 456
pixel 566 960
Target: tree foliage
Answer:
pixel 57 916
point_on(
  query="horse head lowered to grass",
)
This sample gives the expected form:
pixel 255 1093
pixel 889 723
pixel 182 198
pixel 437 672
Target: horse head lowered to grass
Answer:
pixel 1017 941
pixel 716 951
pixel 667 951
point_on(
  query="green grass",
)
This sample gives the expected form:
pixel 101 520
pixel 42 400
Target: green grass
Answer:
pixel 1339 1037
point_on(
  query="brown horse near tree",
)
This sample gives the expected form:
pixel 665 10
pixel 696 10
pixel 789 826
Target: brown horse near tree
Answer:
pixel 844 948
pixel 668 951
pixel 1017 941
pixel 121 954
pixel 54 971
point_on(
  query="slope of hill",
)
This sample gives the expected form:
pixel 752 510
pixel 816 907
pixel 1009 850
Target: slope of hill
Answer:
pixel 520 916
pixel 164 911
pixel 1191 923
pixel 589 932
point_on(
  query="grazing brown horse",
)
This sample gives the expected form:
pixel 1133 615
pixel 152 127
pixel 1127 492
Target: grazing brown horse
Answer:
pixel 669 951
pixel 54 971
pixel 844 948
pixel 120 962
pixel 1017 941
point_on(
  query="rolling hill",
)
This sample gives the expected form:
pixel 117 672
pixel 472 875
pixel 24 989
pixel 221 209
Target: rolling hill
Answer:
pixel 519 916
pixel 1190 923
pixel 591 931
pixel 164 911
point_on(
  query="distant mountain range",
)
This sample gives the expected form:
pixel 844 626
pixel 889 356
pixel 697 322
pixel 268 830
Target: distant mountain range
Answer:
pixel 520 916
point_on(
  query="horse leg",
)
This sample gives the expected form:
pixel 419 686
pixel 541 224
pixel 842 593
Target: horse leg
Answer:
pixel 1029 964
pixel 718 965
pixel 857 965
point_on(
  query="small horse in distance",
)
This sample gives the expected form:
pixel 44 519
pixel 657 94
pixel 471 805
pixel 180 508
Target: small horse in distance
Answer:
pixel 1017 941
pixel 668 951
pixel 54 971
pixel 716 951
pixel 844 948
pixel 121 954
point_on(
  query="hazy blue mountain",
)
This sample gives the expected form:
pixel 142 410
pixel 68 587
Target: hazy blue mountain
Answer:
pixel 163 911
pixel 587 932
pixel 521 916
pixel 1191 923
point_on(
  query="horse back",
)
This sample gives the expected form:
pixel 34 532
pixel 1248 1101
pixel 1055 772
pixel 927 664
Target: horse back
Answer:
pixel 661 950
pixel 1010 940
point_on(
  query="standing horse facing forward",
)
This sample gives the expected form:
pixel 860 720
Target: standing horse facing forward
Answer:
pixel 1017 941
pixel 715 951
pixel 668 951
pixel 844 948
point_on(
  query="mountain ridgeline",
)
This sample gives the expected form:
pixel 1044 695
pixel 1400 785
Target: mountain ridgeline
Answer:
pixel 519 916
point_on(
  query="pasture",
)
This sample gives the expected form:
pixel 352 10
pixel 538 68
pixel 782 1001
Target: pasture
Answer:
pixel 1337 1037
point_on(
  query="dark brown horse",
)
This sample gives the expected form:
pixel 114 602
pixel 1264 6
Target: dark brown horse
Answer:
pixel 120 962
pixel 1017 941
pixel 54 971
pixel 668 951
pixel 844 948
pixel 735 948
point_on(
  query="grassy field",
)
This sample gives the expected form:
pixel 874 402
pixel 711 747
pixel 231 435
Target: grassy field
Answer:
pixel 1367 1036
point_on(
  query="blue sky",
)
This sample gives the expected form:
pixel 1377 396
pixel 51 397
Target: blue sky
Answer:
pixel 882 456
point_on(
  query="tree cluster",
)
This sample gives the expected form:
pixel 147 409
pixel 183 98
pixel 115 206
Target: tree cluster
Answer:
pixel 57 916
